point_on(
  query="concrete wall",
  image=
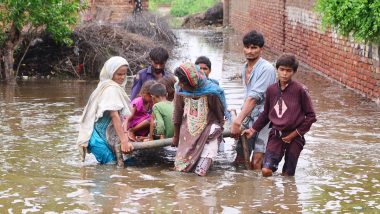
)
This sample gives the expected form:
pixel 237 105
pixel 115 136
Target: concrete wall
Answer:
pixel 292 26
pixel 110 11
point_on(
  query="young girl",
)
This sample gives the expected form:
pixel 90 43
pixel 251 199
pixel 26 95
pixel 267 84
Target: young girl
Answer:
pixel 141 109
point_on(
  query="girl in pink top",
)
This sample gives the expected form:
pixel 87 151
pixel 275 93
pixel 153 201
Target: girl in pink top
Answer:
pixel 141 110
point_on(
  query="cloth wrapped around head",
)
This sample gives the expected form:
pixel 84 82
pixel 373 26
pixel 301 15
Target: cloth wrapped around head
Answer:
pixel 198 84
pixel 108 96
pixel 195 77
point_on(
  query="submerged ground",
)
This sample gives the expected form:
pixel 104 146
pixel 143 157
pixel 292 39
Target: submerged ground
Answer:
pixel 40 170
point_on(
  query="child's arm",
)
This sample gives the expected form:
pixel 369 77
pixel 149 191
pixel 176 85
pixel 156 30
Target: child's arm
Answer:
pixel 151 128
pixel 308 109
pixel 126 146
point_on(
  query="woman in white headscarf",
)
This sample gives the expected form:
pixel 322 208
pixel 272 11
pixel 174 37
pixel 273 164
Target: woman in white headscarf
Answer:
pixel 101 132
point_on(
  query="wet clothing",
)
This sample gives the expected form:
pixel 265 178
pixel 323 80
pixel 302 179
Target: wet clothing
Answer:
pixel 98 145
pixel 287 110
pixel 140 115
pixel 141 77
pixel 200 121
pixel 277 148
pixel 262 76
pixel 108 96
pixel 199 114
pixel 163 117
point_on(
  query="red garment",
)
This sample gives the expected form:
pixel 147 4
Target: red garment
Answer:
pixel 287 109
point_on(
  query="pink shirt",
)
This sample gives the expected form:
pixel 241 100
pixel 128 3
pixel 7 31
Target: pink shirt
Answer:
pixel 141 113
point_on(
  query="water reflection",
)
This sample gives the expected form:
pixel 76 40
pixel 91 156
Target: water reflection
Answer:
pixel 40 170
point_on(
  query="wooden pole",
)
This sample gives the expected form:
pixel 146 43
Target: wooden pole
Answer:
pixel 168 141
pixel 162 143
pixel 246 153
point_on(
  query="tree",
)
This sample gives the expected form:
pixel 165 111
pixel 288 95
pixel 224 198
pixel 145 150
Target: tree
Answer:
pixel 359 18
pixel 22 19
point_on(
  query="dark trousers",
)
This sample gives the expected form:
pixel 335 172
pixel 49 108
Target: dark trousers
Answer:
pixel 276 149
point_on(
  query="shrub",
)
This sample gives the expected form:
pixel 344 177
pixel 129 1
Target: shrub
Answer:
pixel 361 18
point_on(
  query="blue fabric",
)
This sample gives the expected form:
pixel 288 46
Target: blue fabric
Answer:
pixel 214 81
pixel 206 87
pixel 97 144
pixel 262 76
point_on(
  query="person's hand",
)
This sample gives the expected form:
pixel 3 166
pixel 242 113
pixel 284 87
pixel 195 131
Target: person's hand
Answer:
pixel 249 132
pixel 175 141
pixel 235 129
pixel 126 147
pixel 290 137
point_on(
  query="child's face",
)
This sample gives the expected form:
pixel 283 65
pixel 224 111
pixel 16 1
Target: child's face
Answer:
pixel 146 97
pixel 285 73
pixel 204 68
pixel 155 99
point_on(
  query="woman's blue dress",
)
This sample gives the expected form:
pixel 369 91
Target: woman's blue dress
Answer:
pixel 98 145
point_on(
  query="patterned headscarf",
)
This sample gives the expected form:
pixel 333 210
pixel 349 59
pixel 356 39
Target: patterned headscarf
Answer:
pixel 201 85
pixel 195 76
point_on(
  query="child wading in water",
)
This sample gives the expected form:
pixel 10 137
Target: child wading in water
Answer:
pixel 141 109
pixel 289 109
pixel 204 64
pixel 161 125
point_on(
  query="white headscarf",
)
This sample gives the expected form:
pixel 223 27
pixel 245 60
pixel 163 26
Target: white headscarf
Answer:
pixel 108 96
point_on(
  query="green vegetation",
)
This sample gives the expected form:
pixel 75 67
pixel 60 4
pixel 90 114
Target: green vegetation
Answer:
pixel 180 8
pixel 361 18
pixel 187 7
pixel 154 3
pixel 22 20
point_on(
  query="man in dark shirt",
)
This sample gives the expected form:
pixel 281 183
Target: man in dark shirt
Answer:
pixel 289 109
pixel 155 71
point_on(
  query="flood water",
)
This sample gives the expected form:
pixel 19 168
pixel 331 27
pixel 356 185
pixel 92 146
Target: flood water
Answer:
pixel 40 171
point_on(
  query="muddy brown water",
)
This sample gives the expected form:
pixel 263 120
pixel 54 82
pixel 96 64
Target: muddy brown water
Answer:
pixel 40 171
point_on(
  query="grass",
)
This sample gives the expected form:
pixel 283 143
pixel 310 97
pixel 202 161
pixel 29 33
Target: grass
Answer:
pixel 153 4
pixel 180 8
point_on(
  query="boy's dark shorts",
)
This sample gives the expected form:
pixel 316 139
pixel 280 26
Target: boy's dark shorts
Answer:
pixel 277 148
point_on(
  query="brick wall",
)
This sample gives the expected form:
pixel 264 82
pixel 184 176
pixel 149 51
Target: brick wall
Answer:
pixel 110 11
pixel 292 26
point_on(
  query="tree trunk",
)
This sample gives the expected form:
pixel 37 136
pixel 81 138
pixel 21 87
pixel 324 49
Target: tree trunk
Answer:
pixel 8 64
pixel 2 73
pixel 11 43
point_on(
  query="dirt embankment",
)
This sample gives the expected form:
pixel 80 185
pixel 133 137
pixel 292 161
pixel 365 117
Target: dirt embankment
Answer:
pixel 93 45
pixel 212 17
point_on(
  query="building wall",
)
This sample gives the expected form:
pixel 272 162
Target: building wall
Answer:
pixel 110 11
pixel 292 26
